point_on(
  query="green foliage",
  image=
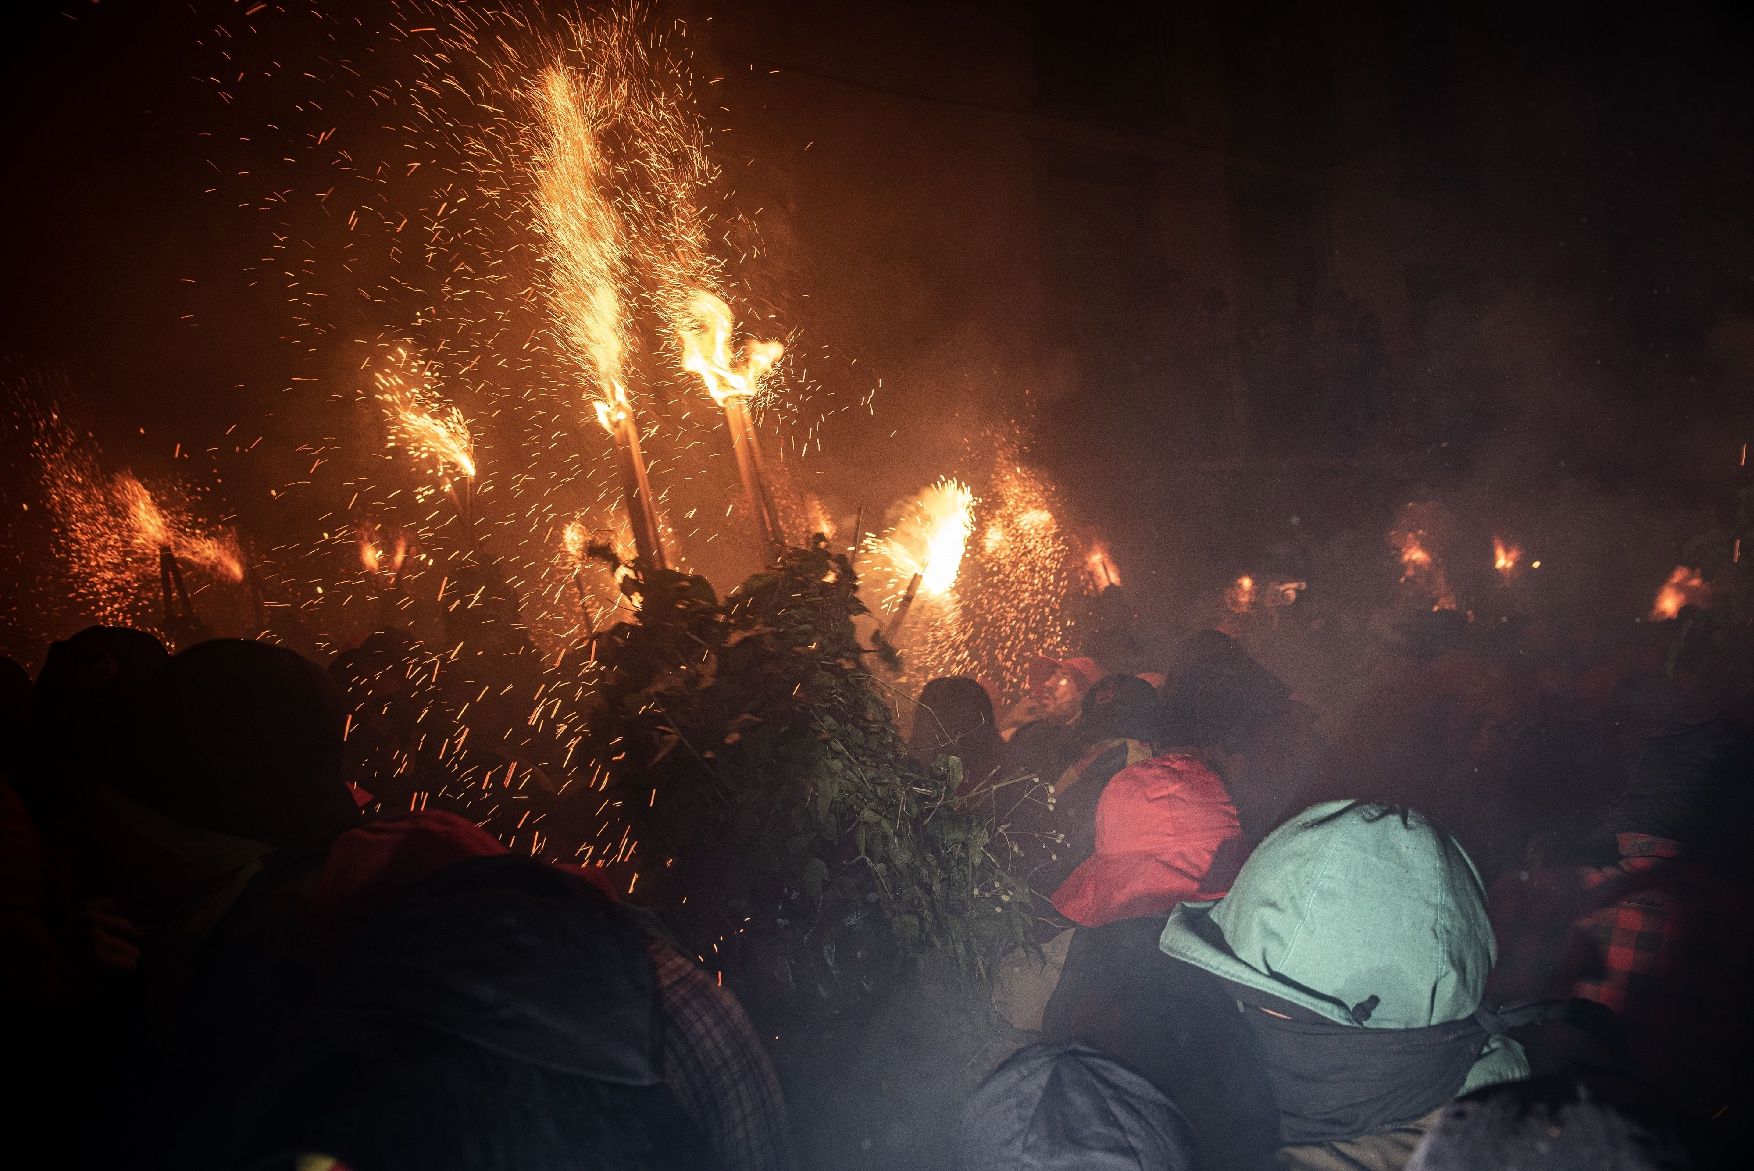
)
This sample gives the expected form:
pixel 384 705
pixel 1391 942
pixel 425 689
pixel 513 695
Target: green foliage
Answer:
pixel 772 794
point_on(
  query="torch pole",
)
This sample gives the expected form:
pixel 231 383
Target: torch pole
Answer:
pixel 900 616
pixel 749 467
pixel 636 493
pixel 166 566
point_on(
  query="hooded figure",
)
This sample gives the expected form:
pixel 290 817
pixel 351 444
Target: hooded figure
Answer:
pixel 1071 1108
pixel 1355 941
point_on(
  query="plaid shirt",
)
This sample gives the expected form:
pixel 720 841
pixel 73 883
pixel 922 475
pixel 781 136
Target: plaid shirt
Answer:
pixel 1676 950
pixel 1638 934
pixel 715 1065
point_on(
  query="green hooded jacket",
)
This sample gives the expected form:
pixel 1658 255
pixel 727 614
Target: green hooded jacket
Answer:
pixel 1365 915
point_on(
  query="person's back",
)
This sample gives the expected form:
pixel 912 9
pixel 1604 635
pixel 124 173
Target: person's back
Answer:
pixel 420 997
pixel 1072 1108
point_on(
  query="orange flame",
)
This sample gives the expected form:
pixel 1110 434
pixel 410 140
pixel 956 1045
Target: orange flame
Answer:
pixel 374 556
pixel 1684 587
pixel 1240 597
pixel 1505 556
pixel 1102 570
pixel 932 536
pixel 1421 569
pixel 706 351
pixel 613 410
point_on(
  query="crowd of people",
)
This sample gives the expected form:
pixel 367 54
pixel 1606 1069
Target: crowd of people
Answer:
pixel 1269 934
pixel 1406 939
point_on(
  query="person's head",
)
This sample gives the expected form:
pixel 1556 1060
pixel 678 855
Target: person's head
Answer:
pixel 1072 1107
pixel 82 699
pixel 1057 686
pixel 1165 831
pixel 1358 913
pixel 1551 1124
pixel 954 717
pixel 1121 706
pixel 245 738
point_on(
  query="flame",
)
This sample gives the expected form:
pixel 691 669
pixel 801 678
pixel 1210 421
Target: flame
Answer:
pixel 613 410
pixel 932 536
pixel 1421 569
pixel 1684 587
pixel 1240 597
pixel 1505 556
pixel 419 424
pixel 572 539
pixel 1101 568
pixel 153 528
pixel 706 351
pixel 820 520
pixel 374 557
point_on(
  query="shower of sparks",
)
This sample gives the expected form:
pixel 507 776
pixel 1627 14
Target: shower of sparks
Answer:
pixel 1505 556
pixel 108 529
pixel 151 528
pixel 582 232
pixel 1018 576
pixel 931 537
pixel 434 435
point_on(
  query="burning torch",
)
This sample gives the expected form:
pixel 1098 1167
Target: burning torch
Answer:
pixel 616 415
pixel 706 351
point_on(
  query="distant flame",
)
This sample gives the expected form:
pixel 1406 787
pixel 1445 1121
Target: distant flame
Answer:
pixel 1505 556
pixel 377 558
pixel 419 424
pixel 706 351
pixel 932 537
pixel 820 521
pixel 1102 570
pixel 1421 569
pixel 1685 587
pixel 153 528
pixel 1240 597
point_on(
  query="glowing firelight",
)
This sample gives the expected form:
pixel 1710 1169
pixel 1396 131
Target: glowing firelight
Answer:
pixel 1101 568
pixel 1420 569
pixel 932 536
pixel 1240 597
pixel 572 539
pixel 152 528
pixel 376 556
pixel 582 231
pixel 706 352
pixel 427 430
pixel 1684 587
pixel 1505 556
